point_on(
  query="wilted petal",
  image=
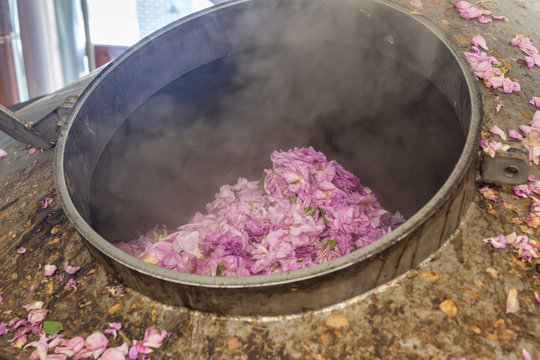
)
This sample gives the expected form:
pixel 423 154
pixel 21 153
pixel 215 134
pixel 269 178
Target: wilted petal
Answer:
pixel 70 347
pixel 525 354
pixel 535 101
pixel 484 20
pixel 70 269
pixel 36 305
pixel 500 18
pixel 41 348
pixel 479 40
pixel 21 250
pixel 115 353
pixel 49 270
pixel 513 134
pixel 498 242
pixel 498 107
pixel 3 328
pixel 496 130
pixel 461 5
pixel 153 338
pixel 3 153
pixel 489 193
pixel 449 308
pixel 37 316
pixel 512 302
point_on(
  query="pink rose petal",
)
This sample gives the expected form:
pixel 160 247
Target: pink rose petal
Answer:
pixel 41 348
pixel 479 40
pixel 70 347
pixel 513 134
pixel 535 101
pixel 32 151
pixel 115 353
pixel 500 18
pixel 416 3
pixel 153 338
pixel 35 317
pixel 498 242
pixel 49 270
pixel 36 305
pixel 46 202
pixel 525 354
pixel 512 302
pixel 496 130
pixel 498 107
pixel 70 269
pixel 3 153
pixel 3 328
pixel 21 250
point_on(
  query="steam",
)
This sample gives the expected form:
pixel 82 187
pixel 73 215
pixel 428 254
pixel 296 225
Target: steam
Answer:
pixel 327 78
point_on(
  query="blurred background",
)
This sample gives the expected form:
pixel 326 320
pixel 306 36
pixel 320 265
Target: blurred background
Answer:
pixel 46 44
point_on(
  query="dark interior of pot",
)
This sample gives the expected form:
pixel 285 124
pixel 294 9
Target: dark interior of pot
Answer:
pixel 208 100
pixel 376 116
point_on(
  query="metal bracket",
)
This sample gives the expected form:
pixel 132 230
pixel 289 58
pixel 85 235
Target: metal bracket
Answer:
pixel 21 131
pixel 509 168
pixel 44 132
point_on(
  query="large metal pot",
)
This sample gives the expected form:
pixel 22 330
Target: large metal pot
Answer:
pixel 378 90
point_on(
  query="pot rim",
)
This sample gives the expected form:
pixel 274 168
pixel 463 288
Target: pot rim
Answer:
pixel 467 156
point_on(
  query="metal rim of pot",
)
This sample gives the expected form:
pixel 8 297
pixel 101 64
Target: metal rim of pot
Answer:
pixel 463 164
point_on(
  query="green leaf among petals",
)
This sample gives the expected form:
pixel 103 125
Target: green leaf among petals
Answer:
pixel 52 327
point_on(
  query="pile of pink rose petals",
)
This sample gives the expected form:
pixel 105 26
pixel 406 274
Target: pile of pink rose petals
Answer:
pixel 489 69
pixel 468 12
pixel 307 211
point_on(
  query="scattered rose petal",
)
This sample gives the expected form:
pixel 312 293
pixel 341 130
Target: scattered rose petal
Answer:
pixel 36 305
pixel 3 328
pixel 496 130
pixel 3 153
pixel 32 150
pixel 525 354
pixel 498 242
pixel 233 343
pixel 94 345
pixel 70 347
pixel 512 302
pixel 49 270
pixel 416 3
pixel 336 321
pixel 41 348
pixel 498 107
pixel 479 40
pixel 115 353
pixel 500 18
pixel 70 269
pixel 46 202
pixel 515 135
pixel 114 327
pixel 428 276
pixel 21 250
pixel 449 308
pixel 535 101
pixel 492 147
pixel 525 44
pixel 35 317
pixel 488 193
pixel 153 338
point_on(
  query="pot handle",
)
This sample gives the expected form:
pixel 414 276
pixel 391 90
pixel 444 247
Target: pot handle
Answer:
pixel 21 131
pixel 509 167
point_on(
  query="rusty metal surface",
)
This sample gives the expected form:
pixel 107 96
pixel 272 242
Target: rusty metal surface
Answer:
pixel 400 320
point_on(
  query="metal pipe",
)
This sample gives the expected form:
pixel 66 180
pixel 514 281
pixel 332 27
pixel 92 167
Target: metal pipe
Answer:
pixel 12 87
pixel 89 47
pixel 41 47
